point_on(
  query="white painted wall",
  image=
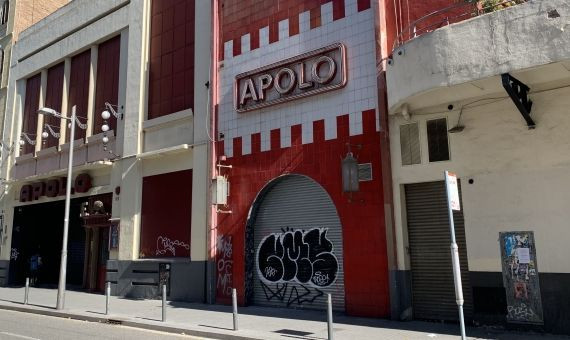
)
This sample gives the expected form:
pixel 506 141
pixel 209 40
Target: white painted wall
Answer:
pixel 521 177
pixel 515 38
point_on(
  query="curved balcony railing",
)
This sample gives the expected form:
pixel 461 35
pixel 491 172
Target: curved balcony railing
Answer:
pixel 449 15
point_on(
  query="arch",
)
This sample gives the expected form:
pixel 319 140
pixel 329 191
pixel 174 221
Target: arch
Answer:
pixel 295 214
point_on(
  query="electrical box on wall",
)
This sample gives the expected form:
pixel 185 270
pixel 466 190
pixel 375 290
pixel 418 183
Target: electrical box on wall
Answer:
pixel 220 190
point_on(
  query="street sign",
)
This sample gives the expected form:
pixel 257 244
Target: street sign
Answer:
pixel 451 180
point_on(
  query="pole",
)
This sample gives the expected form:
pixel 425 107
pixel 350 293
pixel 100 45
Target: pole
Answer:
pixel 455 259
pixel 235 311
pixel 27 291
pixel 163 303
pixel 107 296
pixel 329 317
pixel 63 264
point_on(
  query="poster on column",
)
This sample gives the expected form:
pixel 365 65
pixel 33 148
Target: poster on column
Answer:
pixel 520 277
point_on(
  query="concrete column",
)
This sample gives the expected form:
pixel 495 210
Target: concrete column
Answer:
pixel 91 96
pixel 40 127
pixel 65 100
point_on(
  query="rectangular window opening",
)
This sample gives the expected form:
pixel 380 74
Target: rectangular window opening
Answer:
pixel 438 143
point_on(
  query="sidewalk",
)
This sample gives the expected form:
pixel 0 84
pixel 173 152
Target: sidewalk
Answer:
pixel 214 321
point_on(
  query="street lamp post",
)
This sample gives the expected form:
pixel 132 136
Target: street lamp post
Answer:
pixel 63 264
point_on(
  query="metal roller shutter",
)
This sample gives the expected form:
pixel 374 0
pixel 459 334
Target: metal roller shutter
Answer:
pixel 433 291
pixel 298 243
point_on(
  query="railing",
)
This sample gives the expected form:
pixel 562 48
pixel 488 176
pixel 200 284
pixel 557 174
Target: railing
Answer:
pixel 449 15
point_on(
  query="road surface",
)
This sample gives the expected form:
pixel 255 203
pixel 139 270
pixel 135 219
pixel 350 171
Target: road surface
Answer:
pixel 26 326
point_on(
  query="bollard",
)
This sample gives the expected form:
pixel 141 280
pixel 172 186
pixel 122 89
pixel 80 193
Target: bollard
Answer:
pixel 27 291
pixel 234 305
pixel 107 296
pixel 163 303
pixel 329 317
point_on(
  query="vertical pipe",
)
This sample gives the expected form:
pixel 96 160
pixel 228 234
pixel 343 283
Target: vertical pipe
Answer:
pixel 27 291
pixel 163 303
pixel 329 317
pixel 107 296
pixel 235 311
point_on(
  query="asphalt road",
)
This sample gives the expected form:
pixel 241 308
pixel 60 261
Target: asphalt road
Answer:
pixel 25 326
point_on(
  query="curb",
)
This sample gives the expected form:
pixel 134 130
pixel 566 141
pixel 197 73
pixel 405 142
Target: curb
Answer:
pixel 127 323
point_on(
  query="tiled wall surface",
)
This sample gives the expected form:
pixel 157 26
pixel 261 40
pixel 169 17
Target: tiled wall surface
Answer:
pixel 355 30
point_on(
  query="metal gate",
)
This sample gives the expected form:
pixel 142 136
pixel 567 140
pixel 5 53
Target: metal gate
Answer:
pixel 298 247
pixel 433 292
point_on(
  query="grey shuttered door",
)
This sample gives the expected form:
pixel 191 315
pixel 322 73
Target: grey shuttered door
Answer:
pixel 298 243
pixel 433 291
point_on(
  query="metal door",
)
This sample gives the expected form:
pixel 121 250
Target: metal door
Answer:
pixel 433 291
pixel 298 247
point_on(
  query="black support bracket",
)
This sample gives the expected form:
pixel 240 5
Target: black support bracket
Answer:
pixel 518 92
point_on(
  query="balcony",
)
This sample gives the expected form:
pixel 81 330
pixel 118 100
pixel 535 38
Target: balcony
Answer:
pixel 433 66
pixel 55 159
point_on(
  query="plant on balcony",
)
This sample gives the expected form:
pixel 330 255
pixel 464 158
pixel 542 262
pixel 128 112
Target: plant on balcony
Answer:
pixel 488 6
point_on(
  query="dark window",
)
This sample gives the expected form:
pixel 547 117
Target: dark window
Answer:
pixel 437 140
pixel 79 90
pixel 30 117
pixel 171 77
pixel 107 88
pixel 166 215
pixel 53 99
pixel 410 144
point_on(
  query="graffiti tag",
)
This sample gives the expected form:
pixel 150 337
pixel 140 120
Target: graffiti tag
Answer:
pixel 164 245
pixel 14 254
pixel 291 294
pixel 224 264
pixel 299 256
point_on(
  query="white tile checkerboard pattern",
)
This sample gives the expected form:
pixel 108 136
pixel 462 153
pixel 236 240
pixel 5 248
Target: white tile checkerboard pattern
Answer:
pixel 355 30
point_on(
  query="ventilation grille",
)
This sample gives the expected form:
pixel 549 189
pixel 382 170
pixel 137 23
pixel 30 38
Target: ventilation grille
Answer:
pixel 365 172
pixel 410 144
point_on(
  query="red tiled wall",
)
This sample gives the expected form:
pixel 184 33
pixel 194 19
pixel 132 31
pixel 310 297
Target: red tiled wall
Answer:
pixel 107 86
pixel 31 105
pixel 238 17
pixel 166 212
pixel 53 98
pixel 364 244
pixel 79 89
pixel 171 80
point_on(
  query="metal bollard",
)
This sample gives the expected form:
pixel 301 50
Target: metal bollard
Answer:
pixel 329 317
pixel 235 311
pixel 27 291
pixel 107 296
pixel 163 303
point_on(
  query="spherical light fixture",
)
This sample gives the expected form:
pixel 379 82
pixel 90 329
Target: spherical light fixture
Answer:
pixel 105 140
pixel 45 135
pixel 105 128
pixel 105 115
pixel 22 142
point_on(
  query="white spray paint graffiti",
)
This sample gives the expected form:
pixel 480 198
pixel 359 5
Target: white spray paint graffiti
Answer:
pixel 164 245
pixel 14 254
pixel 224 249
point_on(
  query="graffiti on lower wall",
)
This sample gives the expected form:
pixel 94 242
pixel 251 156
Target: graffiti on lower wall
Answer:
pixel 14 254
pixel 294 265
pixel 165 245
pixel 520 277
pixel 224 263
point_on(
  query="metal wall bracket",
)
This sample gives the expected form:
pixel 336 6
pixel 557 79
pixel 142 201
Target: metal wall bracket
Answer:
pixel 518 92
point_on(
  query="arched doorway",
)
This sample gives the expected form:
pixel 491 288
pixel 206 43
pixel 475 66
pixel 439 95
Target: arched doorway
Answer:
pixel 294 252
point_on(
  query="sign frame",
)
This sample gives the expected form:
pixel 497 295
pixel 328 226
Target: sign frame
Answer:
pixel 343 75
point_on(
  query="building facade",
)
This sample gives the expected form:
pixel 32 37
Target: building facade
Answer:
pixel 140 176
pixel 487 99
pixel 298 94
pixel 16 16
